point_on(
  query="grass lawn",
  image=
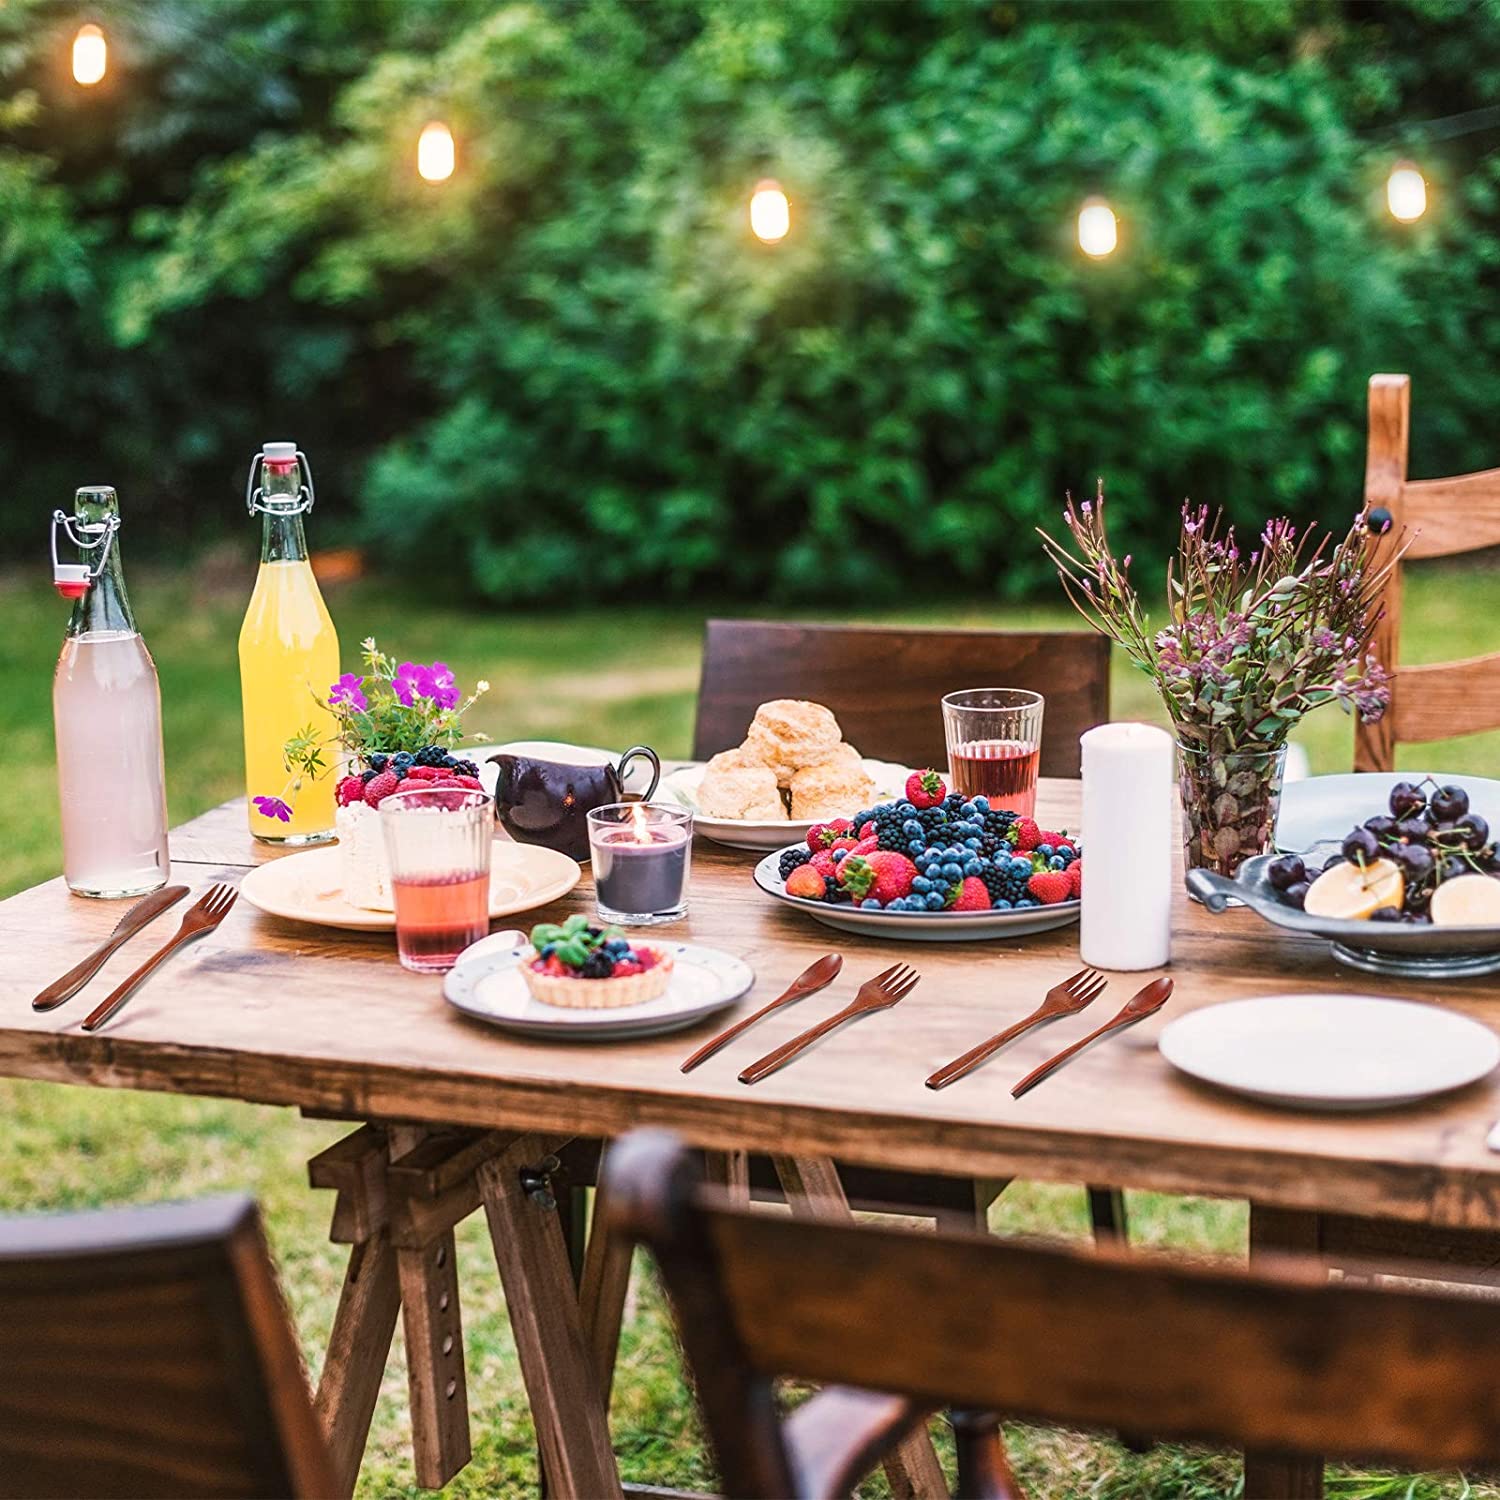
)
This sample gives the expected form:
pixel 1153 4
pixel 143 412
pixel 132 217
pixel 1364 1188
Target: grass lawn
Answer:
pixel 608 677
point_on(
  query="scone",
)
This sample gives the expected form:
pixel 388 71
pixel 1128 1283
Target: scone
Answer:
pixel 789 733
pixel 746 792
pixel 831 790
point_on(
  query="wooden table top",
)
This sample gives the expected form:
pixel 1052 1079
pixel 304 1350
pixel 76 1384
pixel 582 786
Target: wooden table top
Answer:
pixel 268 1011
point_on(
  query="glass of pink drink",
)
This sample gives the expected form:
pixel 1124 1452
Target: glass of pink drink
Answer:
pixel 995 745
pixel 438 841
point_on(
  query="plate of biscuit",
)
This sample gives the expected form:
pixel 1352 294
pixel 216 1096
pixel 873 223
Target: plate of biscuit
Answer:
pixel 793 769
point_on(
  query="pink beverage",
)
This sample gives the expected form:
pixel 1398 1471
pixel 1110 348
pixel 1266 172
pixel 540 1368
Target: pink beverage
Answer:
pixel 106 709
pixel 438 917
pixel 1002 770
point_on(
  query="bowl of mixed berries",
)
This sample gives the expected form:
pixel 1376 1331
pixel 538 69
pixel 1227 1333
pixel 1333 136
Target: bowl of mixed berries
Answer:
pixel 1414 889
pixel 930 864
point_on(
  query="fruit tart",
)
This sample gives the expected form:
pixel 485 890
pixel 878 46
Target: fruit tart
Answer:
pixel 582 966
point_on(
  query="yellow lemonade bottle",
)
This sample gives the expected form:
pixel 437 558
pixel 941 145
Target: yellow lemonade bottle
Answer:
pixel 289 658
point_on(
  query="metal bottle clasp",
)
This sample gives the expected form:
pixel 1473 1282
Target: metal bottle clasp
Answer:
pixel 305 495
pixel 72 580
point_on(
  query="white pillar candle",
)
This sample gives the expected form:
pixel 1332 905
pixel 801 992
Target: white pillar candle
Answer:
pixel 1128 788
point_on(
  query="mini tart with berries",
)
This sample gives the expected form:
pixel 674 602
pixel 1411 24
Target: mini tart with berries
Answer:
pixel 581 966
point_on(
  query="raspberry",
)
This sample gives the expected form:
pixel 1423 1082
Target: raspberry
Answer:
pixel 822 835
pixel 1075 879
pixel 1050 886
pixel 645 957
pixel 806 882
pixel 627 967
pixel 1026 834
pixel 472 783
pixel 381 787
pixel 423 773
pixel 350 789
pixel 973 895
pixel 1058 841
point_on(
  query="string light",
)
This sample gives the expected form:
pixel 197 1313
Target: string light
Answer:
pixel 435 152
pixel 770 213
pixel 1098 229
pixel 90 55
pixel 1406 192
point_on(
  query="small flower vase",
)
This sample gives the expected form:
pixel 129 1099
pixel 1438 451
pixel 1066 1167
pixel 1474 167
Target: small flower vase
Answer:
pixel 1230 798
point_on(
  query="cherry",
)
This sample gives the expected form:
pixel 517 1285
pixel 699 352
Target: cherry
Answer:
pixel 1414 830
pixel 1476 830
pixel 1414 860
pixel 1454 866
pixel 1286 872
pixel 1388 914
pixel 1448 803
pixel 1406 799
pixel 1360 846
pixel 1381 826
pixel 1295 895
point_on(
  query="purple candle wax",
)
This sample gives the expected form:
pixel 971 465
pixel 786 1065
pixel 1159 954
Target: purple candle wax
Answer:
pixel 641 870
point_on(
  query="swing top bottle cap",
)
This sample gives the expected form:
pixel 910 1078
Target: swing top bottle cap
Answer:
pixel 279 453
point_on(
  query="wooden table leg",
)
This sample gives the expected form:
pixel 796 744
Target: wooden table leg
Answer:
pixel 730 1171
pixel 556 1362
pixel 813 1191
pixel 358 1348
pixel 606 1284
pixel 435 1360
pixel 1273 1476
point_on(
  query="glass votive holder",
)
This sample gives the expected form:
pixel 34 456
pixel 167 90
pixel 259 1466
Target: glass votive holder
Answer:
pixel 642 854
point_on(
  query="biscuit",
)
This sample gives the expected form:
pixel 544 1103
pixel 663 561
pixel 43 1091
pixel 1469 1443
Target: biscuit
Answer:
pixel 835 789
pixel 747 792
pixel 788 734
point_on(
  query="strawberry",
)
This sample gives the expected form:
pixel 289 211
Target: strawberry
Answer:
pixel 1026 834
pixel 625 967
pixel 350 789
pixel 867 845
pixel 824 863
pixel 822 835
pixel 867 829
pixel 883 876
pixel 972 895
pixel 378 788
pixel 804 881
pixel 1075 878
pixel 423 773
pixel 1057 840
pixel 843 843
pixel 1050 886
pixel 925 789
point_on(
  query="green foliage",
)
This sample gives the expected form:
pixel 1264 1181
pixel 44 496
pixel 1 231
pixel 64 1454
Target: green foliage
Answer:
pixel 570 372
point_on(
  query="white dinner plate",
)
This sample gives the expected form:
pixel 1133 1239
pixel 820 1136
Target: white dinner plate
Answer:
pixel 919 926
pixel 704 980
pixel 306 887
pixel 1330 1052
pixel 682 785
pixel 1322 809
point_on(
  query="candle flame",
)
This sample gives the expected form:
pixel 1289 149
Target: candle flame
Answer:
pixel 640 825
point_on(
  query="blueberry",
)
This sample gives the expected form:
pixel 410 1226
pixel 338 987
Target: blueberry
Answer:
pixel 914 848
pixel 378 762
pixel 972 844
pixel 953 871
pixel 1028 901
pixel 1057 862
pixel 913 827
pixel 368 776
pixel 973 867
pixel 980 804
pixel 921 885
pixel 935 901
pixel 871 904
pixel 403 759
pixel 1045 850
pixel 1001 904
pixel 930 854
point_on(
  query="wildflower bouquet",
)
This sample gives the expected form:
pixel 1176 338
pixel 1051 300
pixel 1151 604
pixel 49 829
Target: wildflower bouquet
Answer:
pixel 393 714
pixel 1251 644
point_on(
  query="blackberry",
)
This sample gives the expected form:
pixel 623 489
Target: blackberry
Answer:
pixel 791 859
pixel 598 965
pixel 465 768
pixel 989 845
pixel 832 890
pixel 430 755
pixel 996 883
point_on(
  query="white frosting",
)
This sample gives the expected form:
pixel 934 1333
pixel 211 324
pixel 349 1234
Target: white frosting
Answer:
pixel 365 874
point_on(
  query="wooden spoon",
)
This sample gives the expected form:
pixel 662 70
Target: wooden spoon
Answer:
pixel 1143 1003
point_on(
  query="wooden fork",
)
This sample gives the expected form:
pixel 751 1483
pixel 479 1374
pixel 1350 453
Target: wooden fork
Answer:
pixel 1063 999
pixel 202 916
pixel 879 993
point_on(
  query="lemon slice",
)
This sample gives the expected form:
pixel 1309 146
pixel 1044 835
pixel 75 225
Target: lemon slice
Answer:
pixel 1352 892
pixel 1467 901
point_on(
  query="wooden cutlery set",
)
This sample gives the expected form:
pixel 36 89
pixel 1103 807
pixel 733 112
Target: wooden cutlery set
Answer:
pixel 887 988
pixel 201 917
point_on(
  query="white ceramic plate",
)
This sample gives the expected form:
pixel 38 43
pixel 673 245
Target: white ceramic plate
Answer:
pixel 1322 809
pixel 637 774
pixel 934 926
pixel 682 786
pixel 1331 1052
pixel 306 888
pixel 704 980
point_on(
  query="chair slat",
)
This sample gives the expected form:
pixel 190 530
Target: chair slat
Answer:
pixel 1443 699
pixel 1449 516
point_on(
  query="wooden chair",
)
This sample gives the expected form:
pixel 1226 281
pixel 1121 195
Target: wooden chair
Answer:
pixel 894 1325
pixel 1443 517
pixel 884 682
pixel 147 1351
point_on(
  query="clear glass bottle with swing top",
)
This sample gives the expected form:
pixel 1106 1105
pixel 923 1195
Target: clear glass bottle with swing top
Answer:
pixel 289 655
pixel 106 709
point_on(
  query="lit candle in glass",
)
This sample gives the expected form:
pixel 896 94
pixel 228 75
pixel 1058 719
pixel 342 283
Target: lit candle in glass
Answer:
pixel 642 853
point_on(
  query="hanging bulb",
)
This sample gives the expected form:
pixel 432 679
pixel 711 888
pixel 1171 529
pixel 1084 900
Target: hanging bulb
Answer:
pixel 1406 192
pixel 435 152
pixel 770 213
pixel 90 55
pixel 1098 230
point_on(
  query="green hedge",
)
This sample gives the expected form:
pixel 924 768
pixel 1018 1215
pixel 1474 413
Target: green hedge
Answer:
pixel 571 371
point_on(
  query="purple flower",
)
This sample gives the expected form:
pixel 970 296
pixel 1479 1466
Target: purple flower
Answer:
pixel 349 690
pixel 273 807
pixel 437 682
pixel 406 683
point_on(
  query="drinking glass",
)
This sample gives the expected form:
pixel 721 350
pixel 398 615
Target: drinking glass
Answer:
pixel 438 841
pixel 642 853
pixel 995 745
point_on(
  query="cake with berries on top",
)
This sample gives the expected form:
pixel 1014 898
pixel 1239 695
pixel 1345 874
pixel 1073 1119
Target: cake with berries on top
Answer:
pixel 582 966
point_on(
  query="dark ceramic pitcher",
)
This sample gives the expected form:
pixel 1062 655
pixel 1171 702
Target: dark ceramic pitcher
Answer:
pixel 548 801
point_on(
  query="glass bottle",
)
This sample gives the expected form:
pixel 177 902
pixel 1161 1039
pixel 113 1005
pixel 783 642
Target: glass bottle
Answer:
pixel 289 656
pixel 106 712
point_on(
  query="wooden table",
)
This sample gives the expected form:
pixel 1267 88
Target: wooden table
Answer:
pixel 270 1012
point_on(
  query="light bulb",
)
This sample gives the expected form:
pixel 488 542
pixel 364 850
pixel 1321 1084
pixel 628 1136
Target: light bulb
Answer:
pixel 1098 230
pixel 435 152
pixel 1406 192
pixel 770 213
pixel 90 55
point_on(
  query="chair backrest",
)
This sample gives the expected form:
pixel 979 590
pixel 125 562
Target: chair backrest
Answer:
pixel 147 1351
pixel 1442 517
pixel 883 683
pixel 1281 1360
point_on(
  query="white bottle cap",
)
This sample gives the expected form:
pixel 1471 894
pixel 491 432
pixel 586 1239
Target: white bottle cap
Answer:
pixel 279 453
